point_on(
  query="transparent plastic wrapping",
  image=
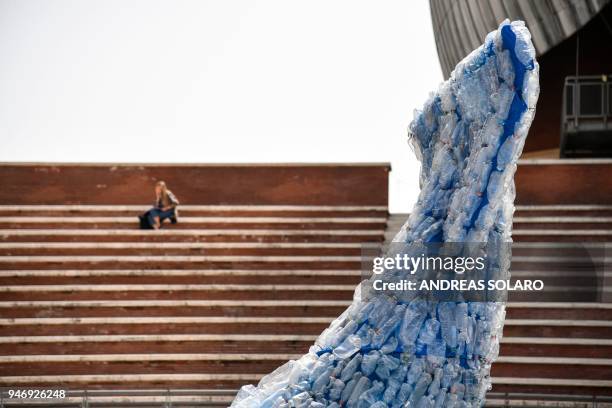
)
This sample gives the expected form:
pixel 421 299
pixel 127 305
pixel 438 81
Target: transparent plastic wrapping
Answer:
pixel 385 351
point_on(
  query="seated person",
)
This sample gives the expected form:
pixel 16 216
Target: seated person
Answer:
pixel 164 208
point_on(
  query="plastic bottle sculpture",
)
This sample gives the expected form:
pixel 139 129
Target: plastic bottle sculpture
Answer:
pixel 383 352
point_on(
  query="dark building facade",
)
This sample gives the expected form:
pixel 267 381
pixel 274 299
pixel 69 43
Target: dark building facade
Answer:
pixel 571 37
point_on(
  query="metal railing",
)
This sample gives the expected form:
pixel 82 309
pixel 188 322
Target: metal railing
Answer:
pixel 163 398
pixel 586 98
pixel 586 110
pixel 174 398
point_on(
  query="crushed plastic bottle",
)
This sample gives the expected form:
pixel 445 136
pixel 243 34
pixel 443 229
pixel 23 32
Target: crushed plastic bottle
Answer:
pixel 384 351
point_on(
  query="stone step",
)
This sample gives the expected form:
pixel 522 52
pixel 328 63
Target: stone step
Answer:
pixel 110 308
pixel 507 366
pixel 287 261
pixel 247 292
pixel 223 398
pixel 278 210
pixel 195 210
pixel 563 210
pixel 130 398
pixel 527 231
pixel 263 343
pixel 95 286
pixel 224 381
pixel 269 235
pixel 197 222
pixel 156 343
pixel 556 347
pixel 191 235
pixel 264 308
pixel 180 276
pixel 254 325
pixel 36 328
pixel 527 384
pixel 576 278
pixel 130 223
pixel 560 250
pixel 162 325
pixel 561 235
pixel 181 261
pixel 565 223
pixel 561 220
pixel 181 248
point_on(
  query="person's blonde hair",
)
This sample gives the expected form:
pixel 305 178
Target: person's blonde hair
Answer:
pixel 163 186
pixel 164 191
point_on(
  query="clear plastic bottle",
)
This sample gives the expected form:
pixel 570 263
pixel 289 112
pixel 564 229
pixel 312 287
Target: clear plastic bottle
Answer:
pixel 362 385
pixel 372 395
pixel 370 360
pixel 351 368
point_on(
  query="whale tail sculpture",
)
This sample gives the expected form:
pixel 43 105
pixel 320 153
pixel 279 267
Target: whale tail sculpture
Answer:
pixel 388 351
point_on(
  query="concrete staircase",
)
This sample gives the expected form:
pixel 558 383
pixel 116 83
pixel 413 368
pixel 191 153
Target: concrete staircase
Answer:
pixel 231 292
pixel 87 301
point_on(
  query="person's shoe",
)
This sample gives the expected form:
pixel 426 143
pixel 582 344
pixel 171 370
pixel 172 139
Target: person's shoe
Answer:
pixel 173 219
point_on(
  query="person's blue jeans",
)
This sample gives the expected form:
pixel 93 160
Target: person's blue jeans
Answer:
pixel 157 212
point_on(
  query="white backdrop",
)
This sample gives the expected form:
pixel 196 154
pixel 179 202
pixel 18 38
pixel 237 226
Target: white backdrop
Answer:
pixel 216 81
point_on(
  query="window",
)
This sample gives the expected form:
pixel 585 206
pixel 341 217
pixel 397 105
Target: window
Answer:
pixel 591 99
